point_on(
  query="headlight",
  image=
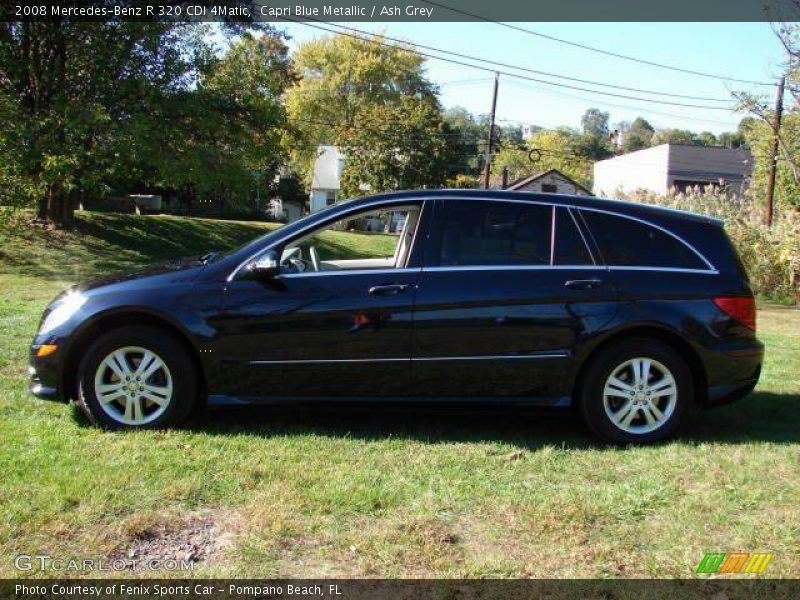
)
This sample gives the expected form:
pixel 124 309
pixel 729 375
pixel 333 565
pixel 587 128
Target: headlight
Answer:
pixel 62 311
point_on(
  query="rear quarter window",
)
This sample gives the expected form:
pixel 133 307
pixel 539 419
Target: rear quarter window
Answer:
pixel 628 243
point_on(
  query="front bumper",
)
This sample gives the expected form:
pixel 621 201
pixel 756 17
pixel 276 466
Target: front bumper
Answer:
pixel 45 372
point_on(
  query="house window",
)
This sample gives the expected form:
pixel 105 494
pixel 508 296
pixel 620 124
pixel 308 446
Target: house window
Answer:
pixel 330 198
pixel 549 188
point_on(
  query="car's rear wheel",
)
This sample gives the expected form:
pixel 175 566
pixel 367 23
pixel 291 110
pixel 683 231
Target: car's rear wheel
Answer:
pixel 635 391
pixel 136 378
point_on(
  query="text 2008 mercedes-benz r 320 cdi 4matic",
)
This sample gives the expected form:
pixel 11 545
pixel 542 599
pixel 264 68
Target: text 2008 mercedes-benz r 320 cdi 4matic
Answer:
pixel 630 313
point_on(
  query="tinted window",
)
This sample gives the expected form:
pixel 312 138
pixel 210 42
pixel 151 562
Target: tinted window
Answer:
pixel 570 249
pixel 625 242
pixel 495 233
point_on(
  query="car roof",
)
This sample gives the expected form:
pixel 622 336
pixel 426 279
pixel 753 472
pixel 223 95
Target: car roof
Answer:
pixel 588 202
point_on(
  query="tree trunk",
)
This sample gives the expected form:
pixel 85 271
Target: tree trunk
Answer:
pixel 189 199
pixel 63 211
pixel 67 219
pixel 53 205
pixel 44 207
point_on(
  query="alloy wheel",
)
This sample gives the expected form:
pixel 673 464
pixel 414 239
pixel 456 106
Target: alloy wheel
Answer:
pixel 133 385
pixel 640 395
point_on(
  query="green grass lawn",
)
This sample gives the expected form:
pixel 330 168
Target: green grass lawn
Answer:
pixel 282 493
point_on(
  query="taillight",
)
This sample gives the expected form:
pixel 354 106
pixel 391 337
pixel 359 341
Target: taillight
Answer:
pixel 741 308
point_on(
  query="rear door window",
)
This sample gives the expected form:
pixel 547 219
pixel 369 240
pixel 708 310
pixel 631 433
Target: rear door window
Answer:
pixel 570 247
pixel 629 243
pixel 477 232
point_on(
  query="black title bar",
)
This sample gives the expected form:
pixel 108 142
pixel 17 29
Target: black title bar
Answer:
pixel 377 589
pixel 267 11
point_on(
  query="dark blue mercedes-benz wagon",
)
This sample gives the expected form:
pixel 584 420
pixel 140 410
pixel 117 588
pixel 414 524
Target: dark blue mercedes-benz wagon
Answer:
pixel 630 313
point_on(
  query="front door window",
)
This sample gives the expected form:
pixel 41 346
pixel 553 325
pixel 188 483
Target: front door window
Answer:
pixel 373 239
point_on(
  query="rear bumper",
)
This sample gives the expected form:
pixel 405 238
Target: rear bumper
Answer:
pixel 725 394
pixel 735 374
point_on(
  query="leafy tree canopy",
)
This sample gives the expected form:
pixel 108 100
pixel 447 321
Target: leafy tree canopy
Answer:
pixel 374 101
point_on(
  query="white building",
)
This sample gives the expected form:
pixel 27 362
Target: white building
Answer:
pixel 325 180
pixel 284 210
pixel 678 166
pixel 528 131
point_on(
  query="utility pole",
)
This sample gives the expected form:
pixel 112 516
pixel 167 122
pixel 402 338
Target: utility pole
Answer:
pixel 490 141
pixel 773 151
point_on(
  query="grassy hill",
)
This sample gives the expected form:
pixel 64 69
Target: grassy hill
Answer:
pixel 104 243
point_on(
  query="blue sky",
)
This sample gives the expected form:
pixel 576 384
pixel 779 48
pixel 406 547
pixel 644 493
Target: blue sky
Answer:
pixel 741 50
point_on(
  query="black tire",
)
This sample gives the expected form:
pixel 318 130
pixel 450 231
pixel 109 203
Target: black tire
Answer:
pixel 170 350
pixel 591 395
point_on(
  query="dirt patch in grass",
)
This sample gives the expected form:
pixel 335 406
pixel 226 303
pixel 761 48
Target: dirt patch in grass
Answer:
pixel 200 538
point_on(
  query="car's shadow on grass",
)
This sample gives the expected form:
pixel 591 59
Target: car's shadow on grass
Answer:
pixel 761 417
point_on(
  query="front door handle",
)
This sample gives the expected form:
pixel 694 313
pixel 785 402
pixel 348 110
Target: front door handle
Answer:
pixel 583 284
pixel 388 290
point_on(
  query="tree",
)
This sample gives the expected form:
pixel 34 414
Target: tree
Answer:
pixel 231 125
pixel 759 139
pixel 89 101
pixel 75 88
pixel 594 143
pixel 732 139
pixel 552 149
pixel 409 155
pixel 758 129
pixel 673 136
pixel 638 136
pixel 465 138
pixel 514 158
pixel 706 138
pixel 510 134
pixel 594 124
pixel 359 91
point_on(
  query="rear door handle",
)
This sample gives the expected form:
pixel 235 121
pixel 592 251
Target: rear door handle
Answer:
pixel 388 290
pixel 583 284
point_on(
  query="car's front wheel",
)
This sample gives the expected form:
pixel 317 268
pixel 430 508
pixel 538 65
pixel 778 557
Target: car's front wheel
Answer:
pixel 635 391
pixel 136 378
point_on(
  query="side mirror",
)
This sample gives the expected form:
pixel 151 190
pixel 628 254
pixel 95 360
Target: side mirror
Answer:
pixel 265 266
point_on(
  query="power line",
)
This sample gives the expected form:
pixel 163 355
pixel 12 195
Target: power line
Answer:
pixel 465 81
pixel 343 29
pixel 598 50
pixel 389 131
pixel 536 71
pixel 640 109
pixel 506 73
pixel 389 136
